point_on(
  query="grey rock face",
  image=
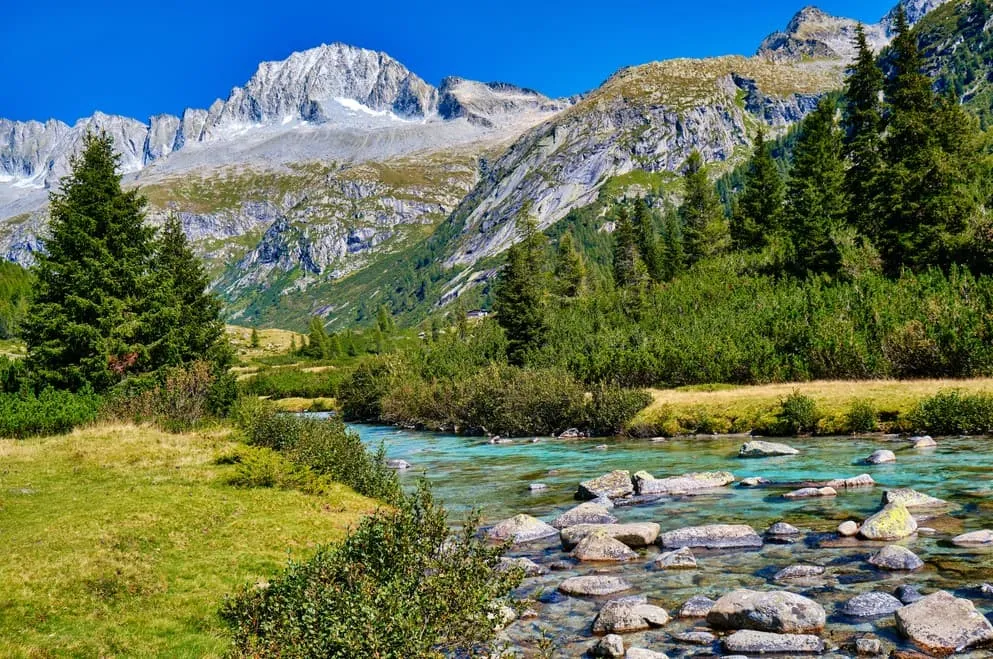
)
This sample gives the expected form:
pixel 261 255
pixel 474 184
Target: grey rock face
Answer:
pixel 778 612
pixel 712 536
pixel 871 605
pixel 765 643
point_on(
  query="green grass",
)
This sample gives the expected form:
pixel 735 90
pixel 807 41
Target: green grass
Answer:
pixel 123 541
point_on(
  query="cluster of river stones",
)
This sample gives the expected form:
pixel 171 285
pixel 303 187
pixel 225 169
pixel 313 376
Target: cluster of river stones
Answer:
pixel 743 622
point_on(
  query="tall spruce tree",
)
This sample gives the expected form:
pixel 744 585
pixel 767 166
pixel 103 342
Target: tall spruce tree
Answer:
pixel 188 325
pixel 673 250
pixel 817 203
pixel 518 296
pixel 758 211
pixel 863 123
pixel 87 322
pixel 705 231
pixel 628 266
pixel 570 270
pixel 648 243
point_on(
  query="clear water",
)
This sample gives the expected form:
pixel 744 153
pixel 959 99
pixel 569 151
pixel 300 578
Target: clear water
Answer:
pixel 470 473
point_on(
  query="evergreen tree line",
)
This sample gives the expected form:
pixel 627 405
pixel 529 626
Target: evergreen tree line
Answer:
pixel 113 300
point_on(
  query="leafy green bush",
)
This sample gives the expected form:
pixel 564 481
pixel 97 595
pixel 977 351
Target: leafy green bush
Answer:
pixel 399 586
pixel 954 412
pixel 798 414
pixel 610 408
pixel 861 417
pixel 293 383
pixel 176 399
pixel 361 394
pixel 51 412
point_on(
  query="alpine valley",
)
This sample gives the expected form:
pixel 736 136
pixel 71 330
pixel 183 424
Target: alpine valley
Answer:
pixel 337 180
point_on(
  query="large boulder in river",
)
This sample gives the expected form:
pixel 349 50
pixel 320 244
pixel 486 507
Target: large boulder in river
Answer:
pixel 760 449
pixel 896 558
pixel 679 559
pixel 590 512
pixel 798 573
pixel 974 539
pixel 638 534
pixel 913 499
pixel 779 612
pixel 594 585
pixel 754 642
pixel 520 529
pixel 645 483
pixel 855 482
pixel 614 485
pixel 942 623
pixel 697 606
pixel 871 605
pixel 893 522
pixel 712 536
pixel 600 547
pixel 629 614
pixel 611 646
pixel 811 493
pixel 882 456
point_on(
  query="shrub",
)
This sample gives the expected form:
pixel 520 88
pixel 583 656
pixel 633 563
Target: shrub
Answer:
pixel 51 412
pixel 798 414
pixel 361 395
pixel 610 408
pixel 399 586
pixel 293 383
pixel 176 399
pixel 861 417
pixel 954 412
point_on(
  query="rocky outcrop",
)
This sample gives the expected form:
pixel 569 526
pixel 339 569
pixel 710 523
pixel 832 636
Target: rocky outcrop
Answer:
pixel 594 585
pixel 614 485
pixel 638 534
pixel 896 558
pixel 942 623
pixel 521 529
pixel 712 536
pixel 761 449
pixel 756 642
pixel 585 513
pixel 629 614
pixel 646 484
pixel 893 522
pixel 778 612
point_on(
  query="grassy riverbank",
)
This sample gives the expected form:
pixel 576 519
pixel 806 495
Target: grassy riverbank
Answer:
pixel 727 408
pixel 123 540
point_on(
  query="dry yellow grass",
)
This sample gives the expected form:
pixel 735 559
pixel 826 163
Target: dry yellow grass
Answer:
pixel 271 341
pixel 305 404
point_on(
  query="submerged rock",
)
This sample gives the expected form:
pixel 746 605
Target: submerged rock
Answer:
pixel 893 522
pixel 594 585
pixel 925 441
pixel 882 456
pixel 779 612
pixel 613 485
pixel 590 512
pixel 848 529
pixel 639 534
pixel 645 483
pixel 811 493
pixel 942 623
pixel 868 647
pixel 521 529
pixel 974 539
pixel 871 605
pixel 695 638
pixel 782 530
pixel 680 559
pixel 526 565
pixel 642 653
pixel 855 482
pixel 629 614
pixel 537 487
pixel 754 481
pixel 760 449
pixel 908 594
pixel 599 546
pixel 697 606
pixel 610 645
pixel 756 642
pixel 399 465
pixel 794 572
pixel 912 499
pixel 896 558
pixel 712 536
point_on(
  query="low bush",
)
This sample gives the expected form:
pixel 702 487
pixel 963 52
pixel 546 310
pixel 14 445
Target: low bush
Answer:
pixel 293 383
pixel 610 408
pixel 51 412
pixel 399 586
pixel 953 412
pixel 861 417
pixel 361 394
pixel 798 414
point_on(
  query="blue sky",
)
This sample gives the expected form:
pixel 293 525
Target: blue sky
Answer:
pixel 67 59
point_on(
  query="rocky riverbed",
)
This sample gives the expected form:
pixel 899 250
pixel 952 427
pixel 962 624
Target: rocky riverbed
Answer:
pixel 728 568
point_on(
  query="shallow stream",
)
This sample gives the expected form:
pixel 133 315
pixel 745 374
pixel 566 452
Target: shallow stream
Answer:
pixel 470 473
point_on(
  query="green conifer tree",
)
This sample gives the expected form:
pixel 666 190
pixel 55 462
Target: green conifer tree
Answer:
pixel 318 341
pixel 570 270
pixel 705 230
pixel 673 251
pixel 628 266
pixel 758 211
pixel 384 320
pixel 817 202
pixel 648 243
pixel 518 297
pixel 254 341
pixel 863 123
pixel 86 325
